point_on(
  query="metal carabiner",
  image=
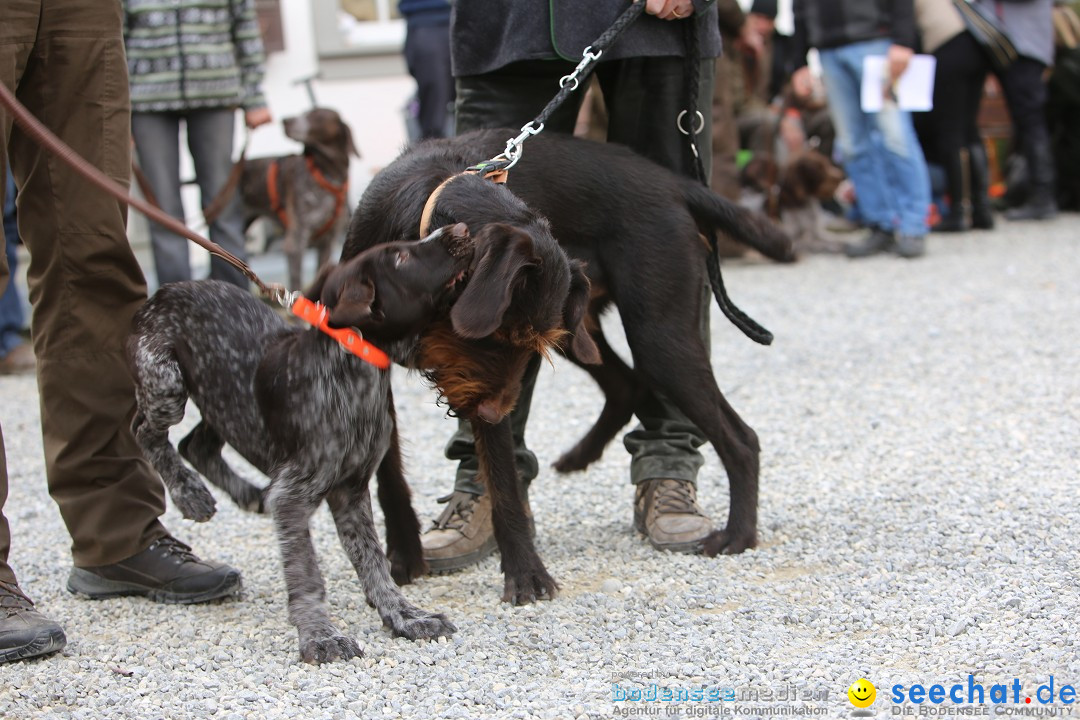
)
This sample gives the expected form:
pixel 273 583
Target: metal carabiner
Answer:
pixel 589 57
pixel 514 148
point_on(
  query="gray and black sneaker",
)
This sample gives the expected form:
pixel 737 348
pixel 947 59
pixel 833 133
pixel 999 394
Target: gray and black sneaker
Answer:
pixel 24 632
pixel 165 572
pixel 877 241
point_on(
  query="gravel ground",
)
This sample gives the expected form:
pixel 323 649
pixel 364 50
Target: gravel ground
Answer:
pixel 919 424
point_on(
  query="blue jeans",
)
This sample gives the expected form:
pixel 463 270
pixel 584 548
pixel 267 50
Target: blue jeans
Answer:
pixel 880 151
pixel 210 141
pixel 12 316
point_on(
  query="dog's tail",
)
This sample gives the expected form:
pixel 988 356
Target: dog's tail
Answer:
pixel 713 213
pixel 744 226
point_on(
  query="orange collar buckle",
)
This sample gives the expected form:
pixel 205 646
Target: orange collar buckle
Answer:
pixel 316 315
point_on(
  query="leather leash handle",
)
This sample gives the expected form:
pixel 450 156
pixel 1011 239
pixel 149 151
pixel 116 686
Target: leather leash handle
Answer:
pixel 46 139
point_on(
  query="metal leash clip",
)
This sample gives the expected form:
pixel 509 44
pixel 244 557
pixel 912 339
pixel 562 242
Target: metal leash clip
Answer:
pixel 589 57
pixel 283 297
pixel 514 147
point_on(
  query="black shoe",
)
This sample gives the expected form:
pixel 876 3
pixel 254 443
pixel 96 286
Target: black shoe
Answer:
pixel 982 216
pixel 952 222
pixel 165 572
pixel 24 632
pixel 910 246
pixel 1034 209
pixel 1040 203
pixel 877 241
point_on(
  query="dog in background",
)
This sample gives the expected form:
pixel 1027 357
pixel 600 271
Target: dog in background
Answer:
pixel 792 195
pixel 306 194
pixel 315 419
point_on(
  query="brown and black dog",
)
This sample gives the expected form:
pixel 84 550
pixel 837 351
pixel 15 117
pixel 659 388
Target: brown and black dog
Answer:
pixel 307 194
pixel 634 232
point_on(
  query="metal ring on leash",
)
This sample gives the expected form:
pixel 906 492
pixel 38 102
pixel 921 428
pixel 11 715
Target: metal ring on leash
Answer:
pixel 588 57
pixel 700 119
pixel 514 147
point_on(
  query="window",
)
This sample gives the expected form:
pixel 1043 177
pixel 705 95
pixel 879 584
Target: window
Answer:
pixel 268 13
pixel 357 27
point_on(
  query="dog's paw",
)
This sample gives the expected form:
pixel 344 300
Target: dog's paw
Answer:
pixel 728 542
pixel 194 501
pixel 417 624
pixel 529 586
pixel 573 460
pixel 327 646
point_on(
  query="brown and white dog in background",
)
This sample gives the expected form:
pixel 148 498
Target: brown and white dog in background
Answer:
pixel 792 195
pixel 307 194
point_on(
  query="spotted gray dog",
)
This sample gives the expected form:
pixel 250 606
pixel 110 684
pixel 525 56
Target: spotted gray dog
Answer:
pixel 314 418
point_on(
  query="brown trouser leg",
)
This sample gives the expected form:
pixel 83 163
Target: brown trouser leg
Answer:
pixel 6 573
pixel 67 59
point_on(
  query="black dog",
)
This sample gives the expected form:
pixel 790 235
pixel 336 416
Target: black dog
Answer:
pixel 638 230
pixel 523 296
pixel 314 418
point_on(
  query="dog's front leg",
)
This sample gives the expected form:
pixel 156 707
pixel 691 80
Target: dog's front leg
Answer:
pixel 526 578
pixel 351 508
pixel 403 547
pixel 294 245
pixel 320 641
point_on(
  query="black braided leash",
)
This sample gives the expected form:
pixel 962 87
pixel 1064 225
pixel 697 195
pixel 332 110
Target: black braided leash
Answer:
pixel 741 320
pixel 568 84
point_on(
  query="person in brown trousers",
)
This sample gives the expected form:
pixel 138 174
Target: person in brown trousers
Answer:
pixel 65 61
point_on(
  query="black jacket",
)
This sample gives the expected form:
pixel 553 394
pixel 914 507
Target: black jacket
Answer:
pixel 827 24
pixel 488 34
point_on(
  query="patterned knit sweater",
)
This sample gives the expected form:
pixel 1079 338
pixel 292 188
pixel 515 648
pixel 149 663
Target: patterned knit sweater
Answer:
pixel 193 54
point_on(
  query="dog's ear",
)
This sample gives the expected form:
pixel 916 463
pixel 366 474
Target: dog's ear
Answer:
pixel 350 146
pixel 811 168
pixel 575 310
pixel 504 253
pixel 349 294
pixel 314 291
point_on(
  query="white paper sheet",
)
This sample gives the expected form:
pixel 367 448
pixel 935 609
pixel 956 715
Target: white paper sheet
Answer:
pixel 914 91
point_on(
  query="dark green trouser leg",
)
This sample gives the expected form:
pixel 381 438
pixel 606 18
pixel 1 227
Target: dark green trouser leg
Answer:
pixel 665 443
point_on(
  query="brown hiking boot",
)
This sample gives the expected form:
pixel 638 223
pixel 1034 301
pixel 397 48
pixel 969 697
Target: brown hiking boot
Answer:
pixel 24 632
pixel 666 511
pixel 463 534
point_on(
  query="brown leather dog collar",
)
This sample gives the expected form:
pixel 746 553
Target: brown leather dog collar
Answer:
pixel 495 176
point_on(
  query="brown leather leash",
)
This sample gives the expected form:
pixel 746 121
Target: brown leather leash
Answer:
pixel 313 313
pixel 45 137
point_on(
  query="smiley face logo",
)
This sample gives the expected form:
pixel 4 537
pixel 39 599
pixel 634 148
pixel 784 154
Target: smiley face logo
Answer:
pixel 862 693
